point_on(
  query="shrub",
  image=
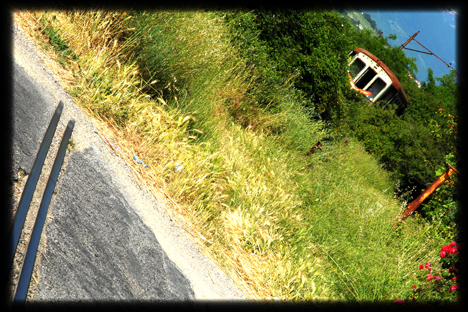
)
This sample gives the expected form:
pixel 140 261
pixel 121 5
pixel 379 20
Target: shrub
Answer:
pixel 441 282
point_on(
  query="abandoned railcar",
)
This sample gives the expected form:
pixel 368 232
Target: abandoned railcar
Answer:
pixel 375 80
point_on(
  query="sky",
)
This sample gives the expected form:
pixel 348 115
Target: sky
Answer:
pixel 437 33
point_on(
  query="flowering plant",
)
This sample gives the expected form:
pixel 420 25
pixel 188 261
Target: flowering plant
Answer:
pixel 439 284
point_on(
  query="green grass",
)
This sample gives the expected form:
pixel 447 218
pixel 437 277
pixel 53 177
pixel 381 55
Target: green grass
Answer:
pixel 351 224
pixel 281 224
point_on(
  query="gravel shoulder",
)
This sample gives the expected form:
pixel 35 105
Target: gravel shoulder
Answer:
pixel 145 226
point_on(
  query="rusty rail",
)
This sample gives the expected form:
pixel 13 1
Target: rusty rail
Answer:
pixel 403 45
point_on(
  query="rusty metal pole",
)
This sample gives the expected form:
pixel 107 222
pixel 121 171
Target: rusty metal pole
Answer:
pixel 448 65
pixel 403 46
pixel 415 204
pixel 409 40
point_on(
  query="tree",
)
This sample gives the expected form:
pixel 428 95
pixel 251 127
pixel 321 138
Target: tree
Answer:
pixel 430 81
pixel 448 91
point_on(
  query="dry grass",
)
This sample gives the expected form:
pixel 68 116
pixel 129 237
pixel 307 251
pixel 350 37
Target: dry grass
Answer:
pixel 29 22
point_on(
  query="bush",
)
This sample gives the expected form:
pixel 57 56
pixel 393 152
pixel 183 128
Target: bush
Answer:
pixel 440 283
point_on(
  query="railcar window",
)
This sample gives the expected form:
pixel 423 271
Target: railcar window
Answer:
pixel 365 78
pixel 375 88
pixel 356 67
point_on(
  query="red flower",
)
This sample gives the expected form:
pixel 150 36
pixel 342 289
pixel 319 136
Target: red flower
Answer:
pixel 429 276
pixel 453 251
pixel 427 266
pixel 421 266
pixel 414 287
pixel 442 254
pixel 437 277
pixel 452 244
pixel 455 278
pixel 453 287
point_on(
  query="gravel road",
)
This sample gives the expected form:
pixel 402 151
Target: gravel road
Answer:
pixel 106 239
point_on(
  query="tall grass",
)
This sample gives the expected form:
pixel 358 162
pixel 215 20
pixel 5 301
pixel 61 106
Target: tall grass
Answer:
pixel 178 96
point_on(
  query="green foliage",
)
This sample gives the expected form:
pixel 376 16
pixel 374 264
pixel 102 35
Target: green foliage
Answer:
pixel 434 107
pixel 430 98
pixel 353 229
pixel 310 46
pixel 296 226
pixel 438 117
pixel 442 205
pixel 430 83
pixel 403 147
pixel 245 36
pixel 447 92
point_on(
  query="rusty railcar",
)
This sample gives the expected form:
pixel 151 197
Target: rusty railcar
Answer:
pixel 375 80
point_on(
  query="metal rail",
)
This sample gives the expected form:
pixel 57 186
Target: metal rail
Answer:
pixel 28 192
pixel 30 257
pixel 26 271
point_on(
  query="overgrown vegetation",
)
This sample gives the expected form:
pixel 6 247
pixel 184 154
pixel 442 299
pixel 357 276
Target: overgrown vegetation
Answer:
pixel 314 45
pixel 223 108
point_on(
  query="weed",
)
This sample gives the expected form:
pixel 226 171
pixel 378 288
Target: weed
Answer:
pixel 71 144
